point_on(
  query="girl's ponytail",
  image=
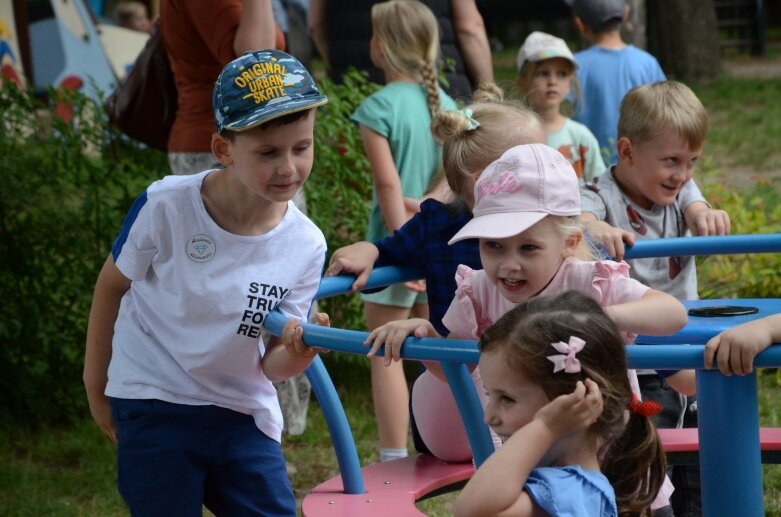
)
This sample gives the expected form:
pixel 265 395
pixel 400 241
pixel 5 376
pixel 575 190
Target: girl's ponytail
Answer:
pixel 635 464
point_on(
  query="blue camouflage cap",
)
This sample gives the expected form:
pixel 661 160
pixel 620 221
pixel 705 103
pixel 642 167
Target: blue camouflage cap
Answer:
pixel 259 86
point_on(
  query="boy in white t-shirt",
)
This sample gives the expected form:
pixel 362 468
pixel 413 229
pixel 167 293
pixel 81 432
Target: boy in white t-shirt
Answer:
pixel 176 370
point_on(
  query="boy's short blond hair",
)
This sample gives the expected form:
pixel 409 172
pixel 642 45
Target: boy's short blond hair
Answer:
pixel 650 109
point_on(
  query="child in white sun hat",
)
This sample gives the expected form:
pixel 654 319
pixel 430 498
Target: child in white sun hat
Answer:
pixel 546 78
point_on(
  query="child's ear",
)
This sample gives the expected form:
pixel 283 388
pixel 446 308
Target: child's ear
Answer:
pixel 222 149
pixel 625 151
pixel 572 243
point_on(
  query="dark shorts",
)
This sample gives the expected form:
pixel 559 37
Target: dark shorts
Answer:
pixel 174 458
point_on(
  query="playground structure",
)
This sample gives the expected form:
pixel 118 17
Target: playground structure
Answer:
pixel 59 43
pixel 728 441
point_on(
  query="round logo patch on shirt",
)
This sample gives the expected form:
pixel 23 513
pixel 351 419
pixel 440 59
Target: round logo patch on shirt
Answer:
pixel 201 248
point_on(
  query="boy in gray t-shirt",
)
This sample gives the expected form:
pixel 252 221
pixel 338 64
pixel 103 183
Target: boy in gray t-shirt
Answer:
pixel 649 194
pixel 606 201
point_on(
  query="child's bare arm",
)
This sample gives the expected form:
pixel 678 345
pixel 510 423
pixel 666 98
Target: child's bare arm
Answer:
pixel 734 349
pixel 387 183
pixel 109 289
pixel 654 314
pixel 293 356
pixel 496 487
pixel 704 220
pixel 683 382
pixel 614 239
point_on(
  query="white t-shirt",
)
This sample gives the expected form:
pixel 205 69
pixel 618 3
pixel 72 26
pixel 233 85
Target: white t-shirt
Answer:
pixel 188 329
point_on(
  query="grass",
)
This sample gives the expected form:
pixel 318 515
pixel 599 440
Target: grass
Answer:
pixel 744 103
pixel 70 471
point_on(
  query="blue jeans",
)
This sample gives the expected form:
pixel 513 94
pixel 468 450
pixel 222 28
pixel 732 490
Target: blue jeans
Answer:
pixel 174 458
pixel 676 409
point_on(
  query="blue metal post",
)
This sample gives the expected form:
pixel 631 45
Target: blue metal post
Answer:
pixel 338 427
pixel 333 412
pixel 470 409
pixel 730 460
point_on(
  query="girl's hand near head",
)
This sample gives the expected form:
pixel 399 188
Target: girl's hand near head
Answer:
pixel 568 414
pixel 357 259
pixel 393 334
pixel 497 486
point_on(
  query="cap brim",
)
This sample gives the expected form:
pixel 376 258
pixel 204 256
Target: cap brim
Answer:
pixel 498 226
pixel 542 56
pixel 284 108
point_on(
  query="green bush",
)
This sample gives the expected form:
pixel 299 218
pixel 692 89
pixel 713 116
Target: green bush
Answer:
pixel 65 189
pixel 754 210
pixel 339 190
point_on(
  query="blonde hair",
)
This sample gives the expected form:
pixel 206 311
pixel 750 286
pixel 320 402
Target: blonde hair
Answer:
pixel 409 35
pixel 569 226
pixel 651 109
pixel 526 74
pixel 466 152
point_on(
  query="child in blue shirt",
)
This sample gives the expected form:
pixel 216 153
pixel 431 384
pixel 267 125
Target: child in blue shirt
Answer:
pixel 608 69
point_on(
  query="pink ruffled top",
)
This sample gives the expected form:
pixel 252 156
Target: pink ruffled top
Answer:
pixel 478 304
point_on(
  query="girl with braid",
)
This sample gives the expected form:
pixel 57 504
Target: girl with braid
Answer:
pixel 403 155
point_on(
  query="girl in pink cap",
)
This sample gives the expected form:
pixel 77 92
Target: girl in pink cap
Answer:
pixel 526 213
pixel 554 369
pixel 526 219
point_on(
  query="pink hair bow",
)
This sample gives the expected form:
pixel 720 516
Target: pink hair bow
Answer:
pixel 566 360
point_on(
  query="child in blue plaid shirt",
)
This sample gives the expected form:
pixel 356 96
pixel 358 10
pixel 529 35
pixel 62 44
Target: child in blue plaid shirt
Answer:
pixel 471 139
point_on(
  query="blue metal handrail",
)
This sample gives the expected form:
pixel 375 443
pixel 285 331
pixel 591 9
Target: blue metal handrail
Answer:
pixel 728 406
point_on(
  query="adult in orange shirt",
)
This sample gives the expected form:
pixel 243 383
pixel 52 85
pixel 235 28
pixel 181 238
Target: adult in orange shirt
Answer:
pixel 201 37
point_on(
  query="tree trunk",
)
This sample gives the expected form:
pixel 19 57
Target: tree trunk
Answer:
pixel 683 35
pixel 634 30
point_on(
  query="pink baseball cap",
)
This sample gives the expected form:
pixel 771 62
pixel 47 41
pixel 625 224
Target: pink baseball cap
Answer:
pixel 518 190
